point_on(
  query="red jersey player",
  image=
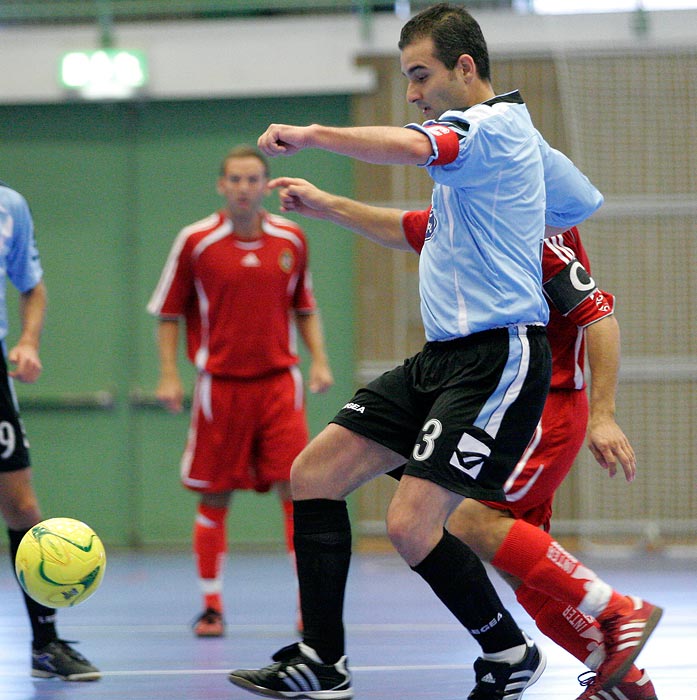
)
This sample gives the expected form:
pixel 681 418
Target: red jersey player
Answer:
pixel 579 312
pixel 240 281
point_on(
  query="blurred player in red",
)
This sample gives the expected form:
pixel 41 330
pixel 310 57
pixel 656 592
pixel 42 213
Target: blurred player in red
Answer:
pixel 240 281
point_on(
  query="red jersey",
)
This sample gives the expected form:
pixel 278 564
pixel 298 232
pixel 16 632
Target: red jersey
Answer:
pixel 238 298
pixel 575 301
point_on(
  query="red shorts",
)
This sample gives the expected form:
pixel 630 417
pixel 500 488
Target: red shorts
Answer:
pixel 548 458
pixel 244 433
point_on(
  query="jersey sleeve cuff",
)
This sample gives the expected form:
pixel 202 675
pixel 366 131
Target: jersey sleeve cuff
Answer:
pixel 445 143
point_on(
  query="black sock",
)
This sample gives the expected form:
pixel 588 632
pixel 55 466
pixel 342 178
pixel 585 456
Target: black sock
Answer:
pixel 322 553
pixel 42 619
pixel 459 579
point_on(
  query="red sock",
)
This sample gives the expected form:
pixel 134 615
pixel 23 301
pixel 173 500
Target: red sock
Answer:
pixel 210 546
pixel 579 634
pixel 543 564
pixel 290 546
pixel 289 526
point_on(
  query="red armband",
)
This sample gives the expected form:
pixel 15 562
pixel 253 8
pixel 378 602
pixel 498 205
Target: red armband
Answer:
pixel 447 143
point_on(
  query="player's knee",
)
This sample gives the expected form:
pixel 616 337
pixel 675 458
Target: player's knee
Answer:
pixel 399 533
pixel 404 533
pixel 308 478
pixel 299 472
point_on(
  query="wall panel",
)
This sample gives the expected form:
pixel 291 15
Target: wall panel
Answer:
pixel 110 186
pixel 622 116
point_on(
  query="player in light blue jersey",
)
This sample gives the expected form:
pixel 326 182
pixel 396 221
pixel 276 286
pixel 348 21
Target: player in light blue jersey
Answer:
pixel 480 267
pixel 459 414
pixel 19 262
pixel 482 222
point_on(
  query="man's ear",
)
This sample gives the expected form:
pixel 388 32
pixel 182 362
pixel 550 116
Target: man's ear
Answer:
pixel 466 64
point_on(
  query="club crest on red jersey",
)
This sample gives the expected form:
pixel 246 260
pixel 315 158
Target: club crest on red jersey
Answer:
pixel 286 260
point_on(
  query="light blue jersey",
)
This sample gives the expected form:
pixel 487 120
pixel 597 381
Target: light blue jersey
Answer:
pixel 19 256
pixel 480 267
pixel 571 197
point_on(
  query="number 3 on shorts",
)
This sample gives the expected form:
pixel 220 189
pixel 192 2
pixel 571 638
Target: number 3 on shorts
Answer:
pixel 429 434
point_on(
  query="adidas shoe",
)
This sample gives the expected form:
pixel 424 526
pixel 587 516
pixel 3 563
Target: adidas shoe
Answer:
pixel 502 681
pixel 641 689
pixel 297 673
pixel 58 659
pixel 625 636
pixel 209 623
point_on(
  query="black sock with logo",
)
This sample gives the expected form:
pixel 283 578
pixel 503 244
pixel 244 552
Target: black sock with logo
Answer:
pixel 322 554
pixel 458 577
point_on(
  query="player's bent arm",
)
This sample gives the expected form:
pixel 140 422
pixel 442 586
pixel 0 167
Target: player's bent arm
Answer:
pixel 382 225
pixel 25 354
pixel 169 388
pixel 603 348
pixel 606 440
pixel 385 145
pixel 320 374
pixel 32 309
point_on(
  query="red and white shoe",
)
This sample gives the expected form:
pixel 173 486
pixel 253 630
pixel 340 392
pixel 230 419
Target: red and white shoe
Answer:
pixel 209 623
pixel 625 636
pixel 641 689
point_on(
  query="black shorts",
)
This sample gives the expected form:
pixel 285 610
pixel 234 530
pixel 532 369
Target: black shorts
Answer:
pixel 461 412
pixel 14 448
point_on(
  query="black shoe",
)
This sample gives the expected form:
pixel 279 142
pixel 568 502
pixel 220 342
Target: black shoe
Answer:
pixel 502 681
pixel 297 673
pixel 59 660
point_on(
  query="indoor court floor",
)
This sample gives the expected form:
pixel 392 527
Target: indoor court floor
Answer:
pixel 402 644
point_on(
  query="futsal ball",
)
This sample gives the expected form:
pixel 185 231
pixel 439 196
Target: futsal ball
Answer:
pixel 60 562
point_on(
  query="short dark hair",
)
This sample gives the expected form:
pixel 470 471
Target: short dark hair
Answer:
pixel 454 32
pixel 245 151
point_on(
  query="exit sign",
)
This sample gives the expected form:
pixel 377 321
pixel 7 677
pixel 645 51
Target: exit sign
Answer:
pixel 104 74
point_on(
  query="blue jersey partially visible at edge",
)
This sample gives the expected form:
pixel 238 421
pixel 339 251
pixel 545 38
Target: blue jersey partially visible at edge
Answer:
pixel 19 256
pixel 571 197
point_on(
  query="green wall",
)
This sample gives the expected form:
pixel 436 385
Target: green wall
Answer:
pixel 110 186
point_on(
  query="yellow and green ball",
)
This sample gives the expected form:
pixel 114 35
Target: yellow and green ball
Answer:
pixel 60 562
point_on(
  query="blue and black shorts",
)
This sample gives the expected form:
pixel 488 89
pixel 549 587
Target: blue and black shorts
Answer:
pixel 462 411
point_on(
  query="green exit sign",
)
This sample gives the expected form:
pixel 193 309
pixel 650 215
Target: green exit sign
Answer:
pixel 104 74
